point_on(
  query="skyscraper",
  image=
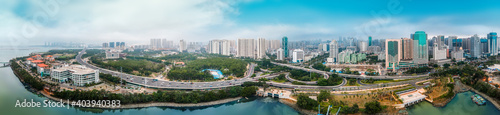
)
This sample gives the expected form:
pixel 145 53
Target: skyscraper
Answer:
pixel 298 55
pixel 452 43
pixel 363 46
pixel 284 44
pixel 369 40
pixel 112 44
pixel 280 54
pixel 392 53
pixel 493 43
pixel 221 47
pixel 334 50
pixel 182 46
pixel 475 48
pixel 261 48
pixel 407 51
pixel 420 48
pixel 246 48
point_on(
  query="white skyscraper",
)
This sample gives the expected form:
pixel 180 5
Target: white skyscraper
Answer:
pixel 261 48
pixel 280 54
pixel 334 50
pixel 298 55
pixel 246 48
pixel 219 47
pixel 155 43
pixel 182 46
pixel 363 46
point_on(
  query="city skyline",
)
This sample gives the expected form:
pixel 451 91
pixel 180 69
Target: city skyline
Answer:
pixel 232 20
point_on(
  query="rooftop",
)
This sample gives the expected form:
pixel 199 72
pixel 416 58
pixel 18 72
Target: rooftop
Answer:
pixel 76 69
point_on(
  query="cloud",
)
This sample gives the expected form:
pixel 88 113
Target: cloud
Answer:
pixel 136 22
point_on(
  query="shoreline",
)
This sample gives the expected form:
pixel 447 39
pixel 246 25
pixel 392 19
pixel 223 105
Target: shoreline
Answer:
pixel 492 100
pixel 296 108
pixel 153 104
pixel 137 105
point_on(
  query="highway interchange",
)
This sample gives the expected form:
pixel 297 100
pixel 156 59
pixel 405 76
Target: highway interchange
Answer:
pixel 164 84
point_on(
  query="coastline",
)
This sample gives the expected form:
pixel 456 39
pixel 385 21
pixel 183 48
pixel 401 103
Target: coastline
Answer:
pixel 138 105
pixel 492 100
pixel 154 104
pixel 296 108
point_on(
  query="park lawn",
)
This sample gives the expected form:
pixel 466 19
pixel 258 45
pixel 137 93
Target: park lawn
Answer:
pixel 279 81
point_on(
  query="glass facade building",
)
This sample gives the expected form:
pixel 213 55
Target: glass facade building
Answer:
pixel 284 44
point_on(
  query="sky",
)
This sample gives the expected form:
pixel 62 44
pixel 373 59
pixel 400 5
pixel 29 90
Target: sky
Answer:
pixel 136 21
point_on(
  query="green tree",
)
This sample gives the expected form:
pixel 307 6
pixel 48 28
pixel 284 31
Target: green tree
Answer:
pixel 373 107
pixel 248 91
pixel 323 95
pixel 305 102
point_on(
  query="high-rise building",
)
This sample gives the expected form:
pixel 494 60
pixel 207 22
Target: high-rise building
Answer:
pixel 458 54
pixel 122 44
pixel 105 45
pixel 363 46
pixel 392 53
pixel 369 40
pixel 284 44
pixel 420 48
pixel 112 44
pixel 475 48
pixel 221 47
pixel 407 51
pixel 182 46
pixel 334 50
pixel 155 43
pixel 274 44
pixel 246 48
pixel 451 43
pixel 280 54
pixel 438 54
pixel 440 42
pixel 298 56
pixel 493 43
pixel 261 48
pixel 484 46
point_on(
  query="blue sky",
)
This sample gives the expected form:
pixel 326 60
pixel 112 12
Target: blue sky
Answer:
pixel 202 20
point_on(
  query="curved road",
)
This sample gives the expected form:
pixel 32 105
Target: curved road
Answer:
pixel 350 75
pixel 164 84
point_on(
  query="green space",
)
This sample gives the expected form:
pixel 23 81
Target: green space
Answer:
pixel 111 79
pixel 280 79
pixel 193 69
pixel 304 75
pixel 352 82
pixel 131 66
pixel 320 66
pixel 325 99
pixel 34 82
pixel 159 96
pixel 333 80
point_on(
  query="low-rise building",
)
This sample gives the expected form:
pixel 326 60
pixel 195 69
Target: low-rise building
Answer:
pixel 113 54
pixel 77 74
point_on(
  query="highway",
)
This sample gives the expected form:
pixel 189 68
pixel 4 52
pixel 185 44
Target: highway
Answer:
pixel 164 84
pixel 350 75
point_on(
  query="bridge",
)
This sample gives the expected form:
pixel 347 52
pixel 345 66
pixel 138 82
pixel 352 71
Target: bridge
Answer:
pixel 381 77
pixel 4 64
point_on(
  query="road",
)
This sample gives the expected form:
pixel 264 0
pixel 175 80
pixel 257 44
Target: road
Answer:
pixel 164 84
pixel 350 75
